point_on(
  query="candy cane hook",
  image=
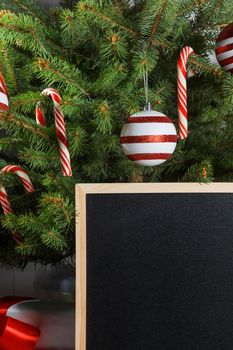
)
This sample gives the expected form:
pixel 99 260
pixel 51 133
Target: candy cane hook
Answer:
pixel 24 178
pixel 4 96
pixel 7 209
pixel 5 202
pixel 40 118
pixel 60 128
pixel 182 91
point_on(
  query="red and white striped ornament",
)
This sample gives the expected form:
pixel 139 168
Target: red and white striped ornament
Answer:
pixel 4 97
pixel 149 137
pixel 5 202
pixel 60 128
pixel 224 48
pixel 23 176
pixel 182 91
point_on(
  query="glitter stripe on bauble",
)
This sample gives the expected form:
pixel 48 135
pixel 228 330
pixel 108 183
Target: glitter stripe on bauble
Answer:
pixel 224 48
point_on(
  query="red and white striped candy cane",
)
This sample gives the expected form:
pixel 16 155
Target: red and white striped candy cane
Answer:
pixel 4 97
pixel 24 178
pixel 5 202
pixel 182 91
pixel 60 129
pixel 40 118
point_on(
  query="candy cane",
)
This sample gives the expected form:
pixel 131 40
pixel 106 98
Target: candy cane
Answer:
pixel 182 91
pixel 60 129
pixel 24 178
pixel 40 118
pixel 4 101
pixel 7 209
pixel 5 202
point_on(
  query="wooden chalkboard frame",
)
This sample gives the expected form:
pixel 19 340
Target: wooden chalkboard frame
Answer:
pixel 81 191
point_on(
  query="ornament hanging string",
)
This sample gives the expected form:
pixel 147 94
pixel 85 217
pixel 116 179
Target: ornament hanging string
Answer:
pixel 60 128
pixel 182 91
pixel 146 88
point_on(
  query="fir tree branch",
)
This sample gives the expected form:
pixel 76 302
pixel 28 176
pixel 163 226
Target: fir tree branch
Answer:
pixel 92 32
pixel 59 203
pixel 7 14
pixel 69 28
pixel 114 22
pixel 218 5
pixel 11 119
pixel 159 43
pixel 200 3
pixel 204 67
pixel 9 67
pixel 31 157
pixel 22 196
pixel 104 17
pixel 45 65
pixel 71 103
pixel 21 101
pixel 156 22
pixel 18 28
pixel 27 9
pixel 186 9
pixel 23 246
pixel 118 6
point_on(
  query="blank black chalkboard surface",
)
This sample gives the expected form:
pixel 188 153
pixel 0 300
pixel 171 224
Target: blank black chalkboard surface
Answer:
pixel 154 266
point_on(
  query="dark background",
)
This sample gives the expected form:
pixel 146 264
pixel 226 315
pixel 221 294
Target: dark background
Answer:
pixel 16 282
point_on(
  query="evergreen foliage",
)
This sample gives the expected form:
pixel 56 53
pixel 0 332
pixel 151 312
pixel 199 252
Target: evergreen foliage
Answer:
pixel 95 52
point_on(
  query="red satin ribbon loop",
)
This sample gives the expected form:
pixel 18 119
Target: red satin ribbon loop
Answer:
pixel 14 334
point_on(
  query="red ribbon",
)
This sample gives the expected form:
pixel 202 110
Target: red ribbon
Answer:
pixel 14 334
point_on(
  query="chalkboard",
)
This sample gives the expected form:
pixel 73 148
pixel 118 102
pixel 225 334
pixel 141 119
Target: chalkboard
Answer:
pixel 154 267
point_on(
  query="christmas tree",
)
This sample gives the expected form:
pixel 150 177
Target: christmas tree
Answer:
pixel 96 53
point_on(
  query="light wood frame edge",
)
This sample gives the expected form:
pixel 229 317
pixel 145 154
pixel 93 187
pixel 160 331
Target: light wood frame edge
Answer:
pixel 81 191
pixel 80 314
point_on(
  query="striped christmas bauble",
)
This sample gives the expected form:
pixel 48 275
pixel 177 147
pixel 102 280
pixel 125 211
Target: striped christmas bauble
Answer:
pixel 224 48
pixel 148 138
